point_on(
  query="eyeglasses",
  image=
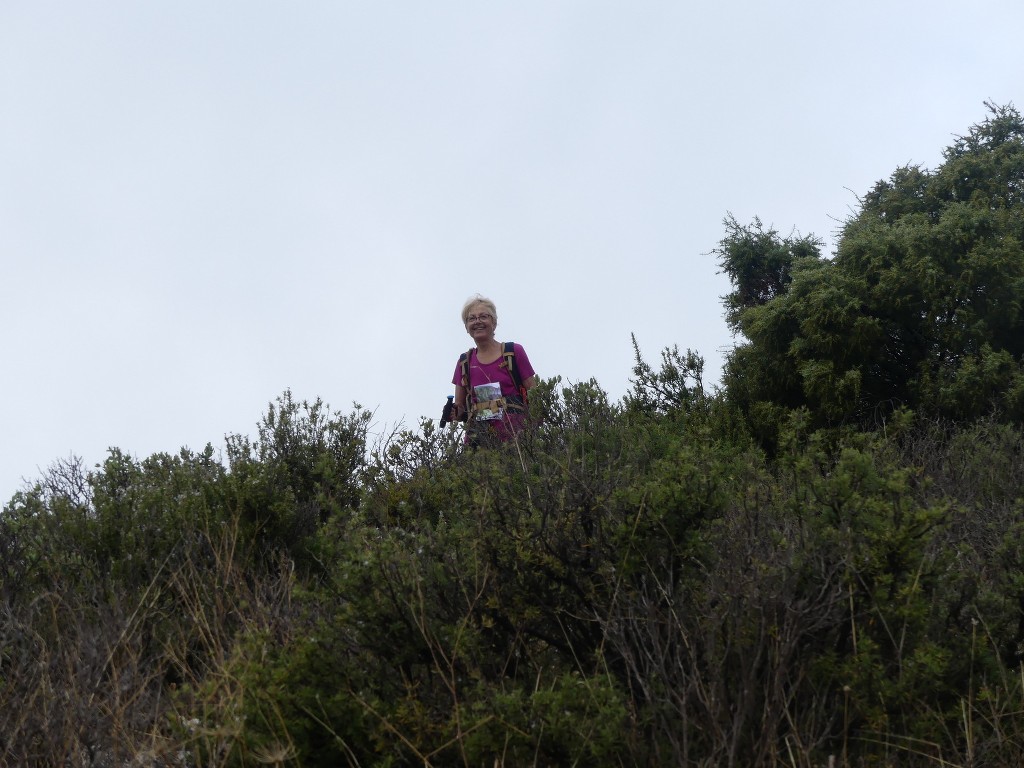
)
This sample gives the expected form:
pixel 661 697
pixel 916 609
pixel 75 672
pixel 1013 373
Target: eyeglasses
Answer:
pixel 474 318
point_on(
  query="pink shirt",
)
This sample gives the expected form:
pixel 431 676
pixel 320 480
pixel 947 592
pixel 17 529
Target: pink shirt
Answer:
pixel 497 372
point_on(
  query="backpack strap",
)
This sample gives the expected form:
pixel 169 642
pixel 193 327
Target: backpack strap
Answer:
pixel 464 366
pixel 508 351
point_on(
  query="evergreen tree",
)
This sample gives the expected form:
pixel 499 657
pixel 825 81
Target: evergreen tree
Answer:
pixel 919 308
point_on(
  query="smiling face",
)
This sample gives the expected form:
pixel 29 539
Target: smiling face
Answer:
pixel 480 323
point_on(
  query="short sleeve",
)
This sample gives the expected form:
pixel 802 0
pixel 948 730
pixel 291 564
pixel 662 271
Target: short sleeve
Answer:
pixel 523 362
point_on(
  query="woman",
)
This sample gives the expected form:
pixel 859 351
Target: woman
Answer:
pixel 491 379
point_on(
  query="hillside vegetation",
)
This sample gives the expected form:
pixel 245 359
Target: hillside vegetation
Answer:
pixel 820 563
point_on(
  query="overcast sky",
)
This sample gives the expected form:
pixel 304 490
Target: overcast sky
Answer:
pixel 203 204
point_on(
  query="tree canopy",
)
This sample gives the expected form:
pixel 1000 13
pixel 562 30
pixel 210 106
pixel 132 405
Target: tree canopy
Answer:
pixel 919 307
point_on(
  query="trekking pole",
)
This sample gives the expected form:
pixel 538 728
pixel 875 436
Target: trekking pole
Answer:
pixel 446 413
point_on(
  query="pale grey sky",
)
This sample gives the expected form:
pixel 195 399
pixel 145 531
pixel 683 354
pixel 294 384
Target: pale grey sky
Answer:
pixel 205 203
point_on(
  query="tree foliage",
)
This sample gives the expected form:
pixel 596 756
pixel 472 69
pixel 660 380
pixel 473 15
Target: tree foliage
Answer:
pixel 919 308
